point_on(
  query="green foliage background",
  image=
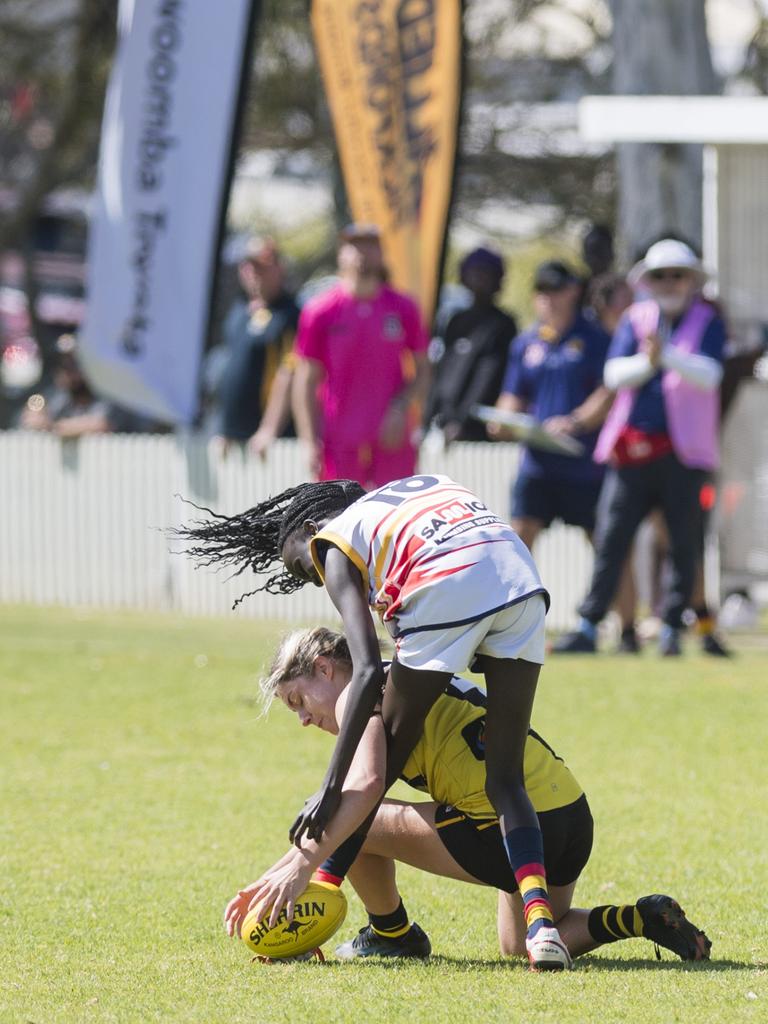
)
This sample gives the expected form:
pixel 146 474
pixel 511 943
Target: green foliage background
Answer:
pixel 139 788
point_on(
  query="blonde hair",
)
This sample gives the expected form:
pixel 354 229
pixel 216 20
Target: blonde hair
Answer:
pixel 297 654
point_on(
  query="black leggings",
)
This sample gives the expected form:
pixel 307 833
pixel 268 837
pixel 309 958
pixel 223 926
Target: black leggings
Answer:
pixel 628 495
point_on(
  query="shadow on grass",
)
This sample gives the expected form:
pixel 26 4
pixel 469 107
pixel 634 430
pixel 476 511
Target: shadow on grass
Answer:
pixel 588 963
pixel 640 963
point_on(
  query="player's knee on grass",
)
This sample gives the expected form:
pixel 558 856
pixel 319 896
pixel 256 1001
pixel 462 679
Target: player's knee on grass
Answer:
pixel 511 925
pixel 511 946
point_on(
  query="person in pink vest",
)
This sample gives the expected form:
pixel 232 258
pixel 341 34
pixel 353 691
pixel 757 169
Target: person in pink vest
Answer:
pixel 362 366
pixel 665 364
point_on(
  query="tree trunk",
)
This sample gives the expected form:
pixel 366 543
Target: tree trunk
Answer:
pixel 660 48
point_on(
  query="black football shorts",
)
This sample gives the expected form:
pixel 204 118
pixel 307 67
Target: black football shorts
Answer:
pixel 476 844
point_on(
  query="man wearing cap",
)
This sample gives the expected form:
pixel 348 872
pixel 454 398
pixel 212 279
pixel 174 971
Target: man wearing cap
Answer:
pixel 476 343
pixel 555 373
pixel 661 436
pixel 361 364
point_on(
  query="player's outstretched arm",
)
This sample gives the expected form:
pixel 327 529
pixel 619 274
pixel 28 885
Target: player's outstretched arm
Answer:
pixel 345 587
pixel 284 882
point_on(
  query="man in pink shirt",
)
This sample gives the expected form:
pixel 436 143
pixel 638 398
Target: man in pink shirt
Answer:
pixel 362 365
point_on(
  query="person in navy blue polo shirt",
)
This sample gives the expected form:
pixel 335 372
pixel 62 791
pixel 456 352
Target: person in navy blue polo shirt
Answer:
pixel 555 373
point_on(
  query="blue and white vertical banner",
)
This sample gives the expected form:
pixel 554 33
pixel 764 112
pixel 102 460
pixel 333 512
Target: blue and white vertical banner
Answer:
pixel 164 174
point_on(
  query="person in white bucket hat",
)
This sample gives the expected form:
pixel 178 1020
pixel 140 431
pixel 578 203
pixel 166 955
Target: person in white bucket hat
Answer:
pixel 669 254
pixel 661 436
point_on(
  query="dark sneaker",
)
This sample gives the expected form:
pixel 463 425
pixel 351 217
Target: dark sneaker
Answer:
pixel 669 643
pixel 574 643
pixel 414 944
pixel 665 923
pixel 628 644
pixel 711 644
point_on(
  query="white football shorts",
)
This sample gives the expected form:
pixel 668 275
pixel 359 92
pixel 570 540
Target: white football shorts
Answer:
pixel 515 632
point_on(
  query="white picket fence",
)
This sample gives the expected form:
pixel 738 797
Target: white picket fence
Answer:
pixel 82 523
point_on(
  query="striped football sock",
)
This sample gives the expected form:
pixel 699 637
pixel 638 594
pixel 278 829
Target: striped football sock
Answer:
pixel 326 876
pixel 610 923
pixel 391 926
pixel 334 869
pixel 526 855
pixel 705 622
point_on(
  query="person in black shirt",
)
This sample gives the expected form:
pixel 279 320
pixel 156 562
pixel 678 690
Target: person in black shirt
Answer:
pixel 259 332
pixel 471 367
pixel 597 250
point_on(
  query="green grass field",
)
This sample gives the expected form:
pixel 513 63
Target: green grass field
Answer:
pixel 139 789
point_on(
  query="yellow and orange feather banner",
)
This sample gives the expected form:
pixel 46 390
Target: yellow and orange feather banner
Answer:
pixel 393 78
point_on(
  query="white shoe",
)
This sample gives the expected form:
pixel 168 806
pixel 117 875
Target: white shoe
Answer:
pixel 548 952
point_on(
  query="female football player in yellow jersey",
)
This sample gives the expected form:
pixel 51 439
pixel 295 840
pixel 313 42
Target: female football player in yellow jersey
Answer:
pixel 455 834
pixel 455 586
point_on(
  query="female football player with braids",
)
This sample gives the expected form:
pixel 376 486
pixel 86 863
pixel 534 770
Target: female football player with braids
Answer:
pixel 455 586
pixel 455 835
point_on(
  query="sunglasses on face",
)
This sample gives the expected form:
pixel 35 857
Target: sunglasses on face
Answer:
pixel 550 289
pixel 669 275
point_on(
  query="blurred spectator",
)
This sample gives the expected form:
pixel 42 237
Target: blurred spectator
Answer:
pixel 453 298
pixel 597 250
pixel 609 296
pixel 353 389
pixel 660 437
pixel 70 409
pixel 259 332
pixel 740 359
pixel 476 343
pixel 276 420
pixel 555 373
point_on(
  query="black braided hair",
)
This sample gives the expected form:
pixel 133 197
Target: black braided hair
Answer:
pixel 254 539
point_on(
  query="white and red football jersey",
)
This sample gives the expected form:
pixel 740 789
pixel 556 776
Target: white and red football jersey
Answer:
pixel 431 553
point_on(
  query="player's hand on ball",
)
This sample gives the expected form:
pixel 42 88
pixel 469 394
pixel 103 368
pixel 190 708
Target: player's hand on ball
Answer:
pixel 237 908
pixel 281 886
pixel 277 888
pixel 319 911
pixel 317 812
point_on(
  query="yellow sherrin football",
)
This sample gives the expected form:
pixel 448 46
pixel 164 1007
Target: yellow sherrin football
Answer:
pixel 318 913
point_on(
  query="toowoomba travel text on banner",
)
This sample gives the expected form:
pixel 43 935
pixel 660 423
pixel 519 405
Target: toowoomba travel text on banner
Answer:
pixel 393 77
pixel 164 170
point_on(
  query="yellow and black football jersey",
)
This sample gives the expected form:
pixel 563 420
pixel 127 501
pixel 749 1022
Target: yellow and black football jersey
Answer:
pixel 448 762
